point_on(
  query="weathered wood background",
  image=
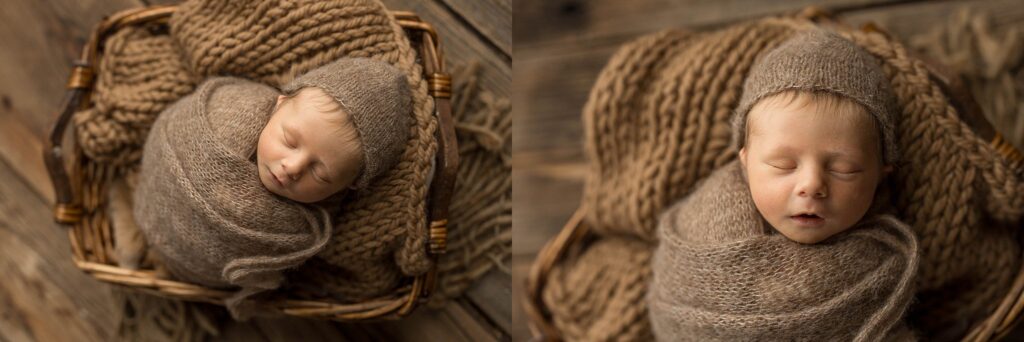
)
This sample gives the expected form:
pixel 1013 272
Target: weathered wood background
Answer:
pixel 44 297
pixel 561 45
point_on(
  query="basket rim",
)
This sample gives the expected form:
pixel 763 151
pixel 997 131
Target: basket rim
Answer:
pixel 69 211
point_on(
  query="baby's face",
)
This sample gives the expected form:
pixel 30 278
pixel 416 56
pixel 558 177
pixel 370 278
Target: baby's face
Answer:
pixel 308 150
pixel 812 174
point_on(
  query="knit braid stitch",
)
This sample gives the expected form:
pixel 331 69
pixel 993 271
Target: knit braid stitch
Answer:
pixel 140 74
pixel 966 237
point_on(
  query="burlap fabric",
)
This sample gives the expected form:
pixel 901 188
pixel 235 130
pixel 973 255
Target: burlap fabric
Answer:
pixel 721 274
pixel 657 121
pixel 201 205
pixel 380 236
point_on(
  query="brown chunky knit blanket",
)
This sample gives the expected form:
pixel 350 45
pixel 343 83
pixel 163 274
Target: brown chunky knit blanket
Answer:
pixel 657 122
pixel 200 202
pixel 719 274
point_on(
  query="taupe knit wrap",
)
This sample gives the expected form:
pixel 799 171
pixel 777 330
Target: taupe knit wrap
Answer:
pixel 719 276
pixel 821 60
pixel 200 202
pixel 376 97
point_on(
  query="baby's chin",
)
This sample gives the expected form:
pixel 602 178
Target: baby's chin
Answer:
pixel 807 235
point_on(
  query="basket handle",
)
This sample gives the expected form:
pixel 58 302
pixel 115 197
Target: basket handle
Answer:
pixel 573 232
pixel 446 159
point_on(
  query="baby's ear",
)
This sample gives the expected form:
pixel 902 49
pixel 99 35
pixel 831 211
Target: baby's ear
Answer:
pixel 279 99
pixel 743 156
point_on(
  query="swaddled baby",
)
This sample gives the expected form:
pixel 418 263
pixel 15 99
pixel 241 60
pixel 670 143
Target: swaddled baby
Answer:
pixel 788 242
pixel 234 176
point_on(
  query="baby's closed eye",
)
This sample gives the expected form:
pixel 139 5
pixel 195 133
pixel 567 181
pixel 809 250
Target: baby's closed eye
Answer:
pixel 782 164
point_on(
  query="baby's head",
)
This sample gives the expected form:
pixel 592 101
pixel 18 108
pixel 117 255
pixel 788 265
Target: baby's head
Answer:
pixel 336 127
pixel 815 132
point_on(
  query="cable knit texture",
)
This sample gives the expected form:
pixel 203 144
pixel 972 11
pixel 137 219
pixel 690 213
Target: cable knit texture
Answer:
pixel 720 273
pixel 658 120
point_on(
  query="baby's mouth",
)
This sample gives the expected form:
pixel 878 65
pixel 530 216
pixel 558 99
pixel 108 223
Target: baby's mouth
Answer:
pixel 808 219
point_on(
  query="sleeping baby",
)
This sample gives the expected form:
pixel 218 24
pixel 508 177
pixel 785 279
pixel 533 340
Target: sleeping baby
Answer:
pixel 237 177
pixel 791 242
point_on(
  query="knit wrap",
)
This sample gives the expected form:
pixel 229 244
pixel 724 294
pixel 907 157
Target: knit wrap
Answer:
pixel 719 274
pixel 200 202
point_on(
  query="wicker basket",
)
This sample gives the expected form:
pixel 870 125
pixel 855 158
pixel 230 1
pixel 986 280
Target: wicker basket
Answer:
pixel 80 186
pixel 575 236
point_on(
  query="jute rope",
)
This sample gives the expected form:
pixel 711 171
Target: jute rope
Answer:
pixel 657 122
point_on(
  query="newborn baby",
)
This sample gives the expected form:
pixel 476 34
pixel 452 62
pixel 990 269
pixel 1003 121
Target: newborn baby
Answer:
pixel 785 244
pixel 236 177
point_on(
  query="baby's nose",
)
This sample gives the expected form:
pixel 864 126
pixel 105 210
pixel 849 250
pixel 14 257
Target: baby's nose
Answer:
pixel 812 185
pixel 292 167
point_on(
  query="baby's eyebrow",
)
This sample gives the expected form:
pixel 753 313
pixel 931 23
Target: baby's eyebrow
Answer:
pixel 828 154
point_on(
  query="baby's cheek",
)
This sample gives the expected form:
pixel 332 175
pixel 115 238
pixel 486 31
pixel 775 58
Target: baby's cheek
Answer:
pixel 769 194
pixel 855 201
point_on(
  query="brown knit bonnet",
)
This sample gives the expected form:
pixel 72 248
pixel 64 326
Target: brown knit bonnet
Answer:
pixel 821 60
pixel 377 98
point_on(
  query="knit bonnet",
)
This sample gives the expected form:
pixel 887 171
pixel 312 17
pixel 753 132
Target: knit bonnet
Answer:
pixel 377 98
pixel 820 60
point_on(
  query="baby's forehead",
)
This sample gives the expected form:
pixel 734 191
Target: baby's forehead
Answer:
pixel 796 106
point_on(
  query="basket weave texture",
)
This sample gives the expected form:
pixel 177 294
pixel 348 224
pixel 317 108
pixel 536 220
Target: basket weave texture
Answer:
pixel 148 62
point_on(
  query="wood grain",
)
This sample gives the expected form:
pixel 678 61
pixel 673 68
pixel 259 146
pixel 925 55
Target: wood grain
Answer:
pixel 492 19
pixel 43 296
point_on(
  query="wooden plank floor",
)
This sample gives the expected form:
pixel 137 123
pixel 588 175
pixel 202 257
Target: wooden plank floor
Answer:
pixel 45 298
pixel 561 45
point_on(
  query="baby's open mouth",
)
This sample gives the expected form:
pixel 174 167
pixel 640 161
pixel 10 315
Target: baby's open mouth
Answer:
pixel 808 220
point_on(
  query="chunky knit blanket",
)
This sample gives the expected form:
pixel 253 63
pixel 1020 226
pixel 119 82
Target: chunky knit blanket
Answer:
pixel 719 274
pixel 200 202
pixel 657 122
